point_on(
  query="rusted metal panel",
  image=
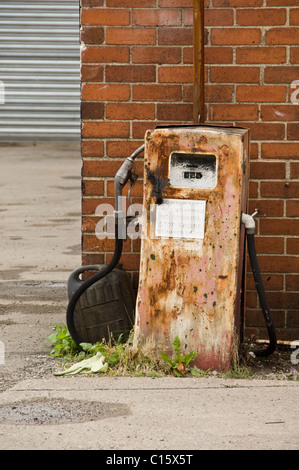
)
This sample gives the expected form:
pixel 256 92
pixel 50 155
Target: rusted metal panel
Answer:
pixel 190 287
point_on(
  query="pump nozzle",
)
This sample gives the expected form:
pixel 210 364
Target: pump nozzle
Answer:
pixel 124 173
pixel 249 222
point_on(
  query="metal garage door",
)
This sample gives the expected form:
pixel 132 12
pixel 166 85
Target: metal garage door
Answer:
pixel 39 70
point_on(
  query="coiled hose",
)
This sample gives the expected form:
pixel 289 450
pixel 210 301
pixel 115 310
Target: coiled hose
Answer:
pixel 121 178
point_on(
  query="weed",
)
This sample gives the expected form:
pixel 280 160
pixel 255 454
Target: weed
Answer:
pixel 181 361
pixel 122 359
pixel 238 372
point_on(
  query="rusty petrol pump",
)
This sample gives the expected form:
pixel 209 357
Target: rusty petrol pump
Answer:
pixel 192 250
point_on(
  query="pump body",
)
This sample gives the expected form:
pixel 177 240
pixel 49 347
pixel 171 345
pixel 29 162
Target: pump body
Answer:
pixel 192 249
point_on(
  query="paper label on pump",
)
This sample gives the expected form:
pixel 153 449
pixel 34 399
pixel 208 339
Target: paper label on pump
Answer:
pixel 180 218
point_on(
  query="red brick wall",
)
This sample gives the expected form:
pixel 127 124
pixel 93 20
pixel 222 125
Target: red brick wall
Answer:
pixel 137 72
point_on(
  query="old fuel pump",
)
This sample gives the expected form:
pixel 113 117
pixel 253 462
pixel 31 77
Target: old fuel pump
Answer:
pixel 192 268
pixel 192 249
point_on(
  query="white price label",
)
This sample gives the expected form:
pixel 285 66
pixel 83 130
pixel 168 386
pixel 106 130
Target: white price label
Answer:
pixel 180 218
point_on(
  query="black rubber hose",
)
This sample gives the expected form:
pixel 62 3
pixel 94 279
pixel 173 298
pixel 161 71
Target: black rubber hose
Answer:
pixel 262 297
pixel 120 180
pixel 96 277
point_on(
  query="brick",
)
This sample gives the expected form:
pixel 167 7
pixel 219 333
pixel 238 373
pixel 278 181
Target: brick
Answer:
pixel 90 204
pixel 156 17
pixel 175 3
pixel 253 189
pixel 130 73
pixel 175 36
pixel 130 36
pixel 293 245
pixel 271 282
pixel 92 3
pixel 261 93
pixel 277 189
pixel 295 170
pixel 92 73
pixel 235 36
pixel 235 74
pixel 153 92
pixel 293 322
pixel 92 110
pixel 237 3
pixel 278 264
pixel 280 150
pixel 104 92
pixel 174 112
pixel 281 74
pixel 293 131
pixel 216 93
pixel 104 16
pixel 175 74
pixel 283 113
pixel 294 16
pixel 285 300
pixel 269 245
pixel 261 16
pixel 121 149
pixel 105 129
pixel 262 170
pixel 218 55
pixel 254 148
pixel 267 207
pixel 100 168
pixel 292 281
pixel 157 54
pixel 93 258
pixel 265 131
pixel 294 59
pixel 280 3
pixel 92 35
pixel 233 112
pixel 285 35
pixel 292 209
pixel 260 55
pixel 89 223
pixel 105 54
pixel 93 188
pixel 139 128
pixel 92 148
pixel 130 111
pixel 131 3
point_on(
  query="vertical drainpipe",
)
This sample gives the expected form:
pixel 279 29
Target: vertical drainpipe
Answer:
pixel 198 62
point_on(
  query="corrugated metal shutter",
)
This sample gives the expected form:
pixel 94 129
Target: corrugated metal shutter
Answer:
pixel 39 70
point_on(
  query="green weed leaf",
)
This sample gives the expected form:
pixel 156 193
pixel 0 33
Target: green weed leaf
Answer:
pixel 177 345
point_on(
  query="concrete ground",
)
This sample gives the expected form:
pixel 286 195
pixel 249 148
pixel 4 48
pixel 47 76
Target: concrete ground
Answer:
pixel 40 239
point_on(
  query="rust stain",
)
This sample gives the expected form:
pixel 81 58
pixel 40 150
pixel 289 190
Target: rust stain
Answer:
pixel 190 287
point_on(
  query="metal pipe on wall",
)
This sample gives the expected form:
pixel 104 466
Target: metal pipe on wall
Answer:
pixel 198 61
